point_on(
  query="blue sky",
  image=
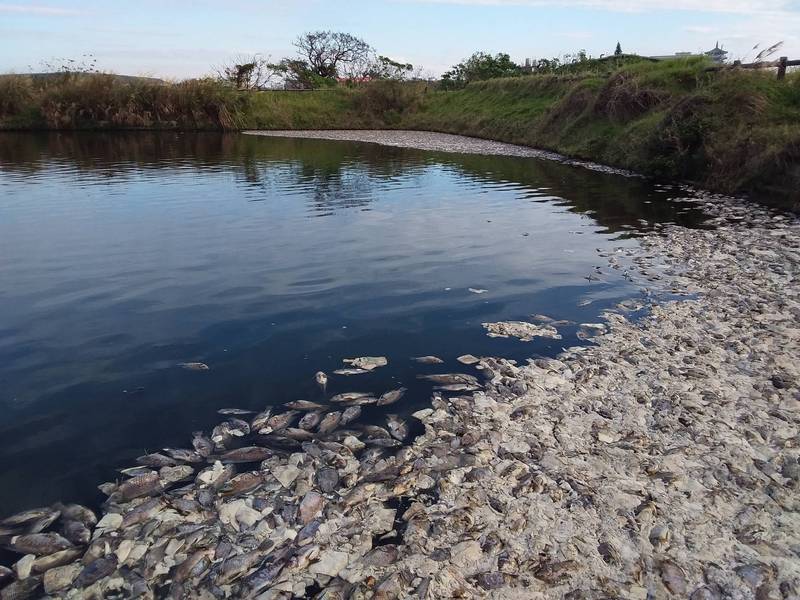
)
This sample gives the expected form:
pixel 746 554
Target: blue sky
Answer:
pixel 184 38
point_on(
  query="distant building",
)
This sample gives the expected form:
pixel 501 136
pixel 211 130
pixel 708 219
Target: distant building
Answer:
pixel 716 54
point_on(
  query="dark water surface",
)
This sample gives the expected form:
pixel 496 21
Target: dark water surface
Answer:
pixel 122 255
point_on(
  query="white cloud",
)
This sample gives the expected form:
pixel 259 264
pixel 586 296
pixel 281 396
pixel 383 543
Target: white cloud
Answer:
pixel 726 6
pixel 27 9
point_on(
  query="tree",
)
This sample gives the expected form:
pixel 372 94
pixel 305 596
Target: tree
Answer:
pixel 618 51
pixel 327 53
pixel 385 68
pixel 480 66
pixel 248 72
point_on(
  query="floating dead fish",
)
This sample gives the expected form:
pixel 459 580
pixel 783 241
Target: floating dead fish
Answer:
pixel 541 318
pixel 391 397
pixel 236 566
pixel 194 366
pixel 183 455
pixel 478 290
pixel 30 516
pixel 322 380
pixel 77 512
pixel 96 570
pixel 349 396
pixel 175 474
pixel 351 413
pixel 584 302
pixel 327 479
pixel 280 421
pixel 304 405
pixel 350 371
pixel 142 512
pixel 468 359
pixel 39 544
pixel 260 420
pixel 374 431
pixel 428 360
pixel 136 487
pixel 301 435
pixel 202 445
pixel 234 411
pixel 451 378
pixel 383 443
pixel 330 422
pixel 76 532
pixel 246 455
pixel 311 505
pixel 310 420
pixel 457 387
pixel 367 362
pixel 522 330
pixel 156 460
pixel 397 427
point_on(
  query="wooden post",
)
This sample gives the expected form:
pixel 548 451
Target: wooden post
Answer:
pixel 782 67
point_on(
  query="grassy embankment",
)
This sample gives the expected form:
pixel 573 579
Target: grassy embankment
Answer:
pixel 729 130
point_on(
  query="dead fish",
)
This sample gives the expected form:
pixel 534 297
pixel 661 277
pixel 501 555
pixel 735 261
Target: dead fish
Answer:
pixel 202 445
pixel 280 421
pixel 184 570
pixel 77 512
pixel 23 589
pixel 366 362
pixel 175 474
pixel 76 532
pixel 450 378
pixel 185 505
pixel 301 435
pixel 310 420
pixel 304 405
pixel 327 479
pixel 457 387
pixel 58 559
pixel 243 483
pixel 194 366
pixel 236 566
pixel 134 471
pixel 136 487
pixel 310 507
pixel 156 460
pixel 183 455
pixel 6 575
pixel 477 290
pixel 374 431
pixel 428 360
pixel 349 396
pixel 38 543
pixel 142 512
pixel 391 397
pixel 322 380
pixel 96 570
pixel 397 427
pixel 350 371
pixel 468 359
pixel 541 318
pixel 234 411
pixel 260 420
pixel 225 432
pixel 29 516
pixel 330 422
pixel 246 455
pixel 351 413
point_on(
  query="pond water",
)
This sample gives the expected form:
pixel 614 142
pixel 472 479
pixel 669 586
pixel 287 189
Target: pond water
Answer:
pixel 123 255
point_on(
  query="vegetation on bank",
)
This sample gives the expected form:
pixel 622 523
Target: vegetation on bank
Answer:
pixel 730 130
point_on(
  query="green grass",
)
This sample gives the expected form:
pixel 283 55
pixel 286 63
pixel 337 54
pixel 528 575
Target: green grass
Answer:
pixel 731 131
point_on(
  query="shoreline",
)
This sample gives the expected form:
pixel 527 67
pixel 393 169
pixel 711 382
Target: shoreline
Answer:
pixel 660 462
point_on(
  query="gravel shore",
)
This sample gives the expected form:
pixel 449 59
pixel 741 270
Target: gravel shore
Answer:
pixel 662 461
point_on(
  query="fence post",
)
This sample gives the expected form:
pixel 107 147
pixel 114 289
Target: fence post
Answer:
pixel 782 67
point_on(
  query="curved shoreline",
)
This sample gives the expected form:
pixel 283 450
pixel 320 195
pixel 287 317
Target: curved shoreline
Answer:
pixel 661 462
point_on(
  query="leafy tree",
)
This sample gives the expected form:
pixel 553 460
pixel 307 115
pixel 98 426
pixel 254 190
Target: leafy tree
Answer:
pixel 248 72
pixel 328 53
pixel 385 68
pixel 618 51
pixel 481 66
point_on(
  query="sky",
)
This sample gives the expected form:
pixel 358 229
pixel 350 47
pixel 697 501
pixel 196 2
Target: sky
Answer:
pixel 188 38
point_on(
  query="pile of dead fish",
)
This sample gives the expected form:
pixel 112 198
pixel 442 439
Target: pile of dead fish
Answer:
pixel 662 461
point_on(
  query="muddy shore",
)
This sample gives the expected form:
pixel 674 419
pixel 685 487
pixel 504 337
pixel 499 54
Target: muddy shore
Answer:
pixel 662 461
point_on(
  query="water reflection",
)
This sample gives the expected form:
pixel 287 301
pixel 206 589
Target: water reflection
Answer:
pixel 122 255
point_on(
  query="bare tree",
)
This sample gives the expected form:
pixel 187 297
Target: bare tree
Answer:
pixel 330 52
pixel 248 72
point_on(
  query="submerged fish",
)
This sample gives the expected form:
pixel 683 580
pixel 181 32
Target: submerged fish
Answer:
pixel 428 360
pixel 234 411
pixel 194 366
pixel 322 380
pixel 350 371
pixel 391 397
